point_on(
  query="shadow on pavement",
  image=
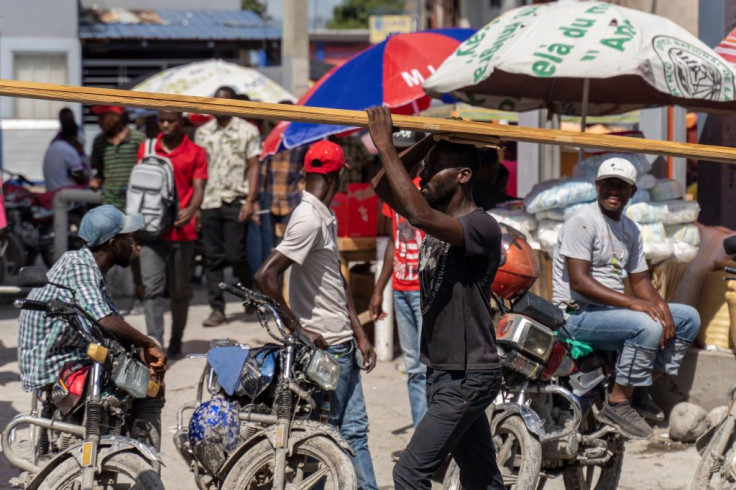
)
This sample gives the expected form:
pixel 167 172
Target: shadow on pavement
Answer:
pixel 7 412
pixel 7 354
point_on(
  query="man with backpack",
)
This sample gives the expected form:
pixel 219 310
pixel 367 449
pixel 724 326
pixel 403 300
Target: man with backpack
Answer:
pixel 168 236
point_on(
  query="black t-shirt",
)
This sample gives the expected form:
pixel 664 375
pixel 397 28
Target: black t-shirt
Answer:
pixel 455 284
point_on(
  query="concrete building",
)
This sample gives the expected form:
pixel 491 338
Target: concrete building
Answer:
pixel 42 47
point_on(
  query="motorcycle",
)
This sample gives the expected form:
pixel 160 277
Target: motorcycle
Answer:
pixel 30 217
pixel 78 436
pixel 544 423
pixel 717 447
pixel 257 429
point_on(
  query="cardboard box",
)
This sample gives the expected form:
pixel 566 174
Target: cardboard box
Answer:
pixel 356 211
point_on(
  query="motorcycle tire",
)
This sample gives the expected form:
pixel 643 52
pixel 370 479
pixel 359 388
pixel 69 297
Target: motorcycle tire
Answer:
pixel 511 439
pixel 608 476
pixel 712 458
pixel 133 467
pixel 254 470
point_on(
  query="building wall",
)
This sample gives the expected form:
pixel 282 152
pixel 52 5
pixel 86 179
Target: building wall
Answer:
pixel 44 18
pixel 164 4
pixel 50 29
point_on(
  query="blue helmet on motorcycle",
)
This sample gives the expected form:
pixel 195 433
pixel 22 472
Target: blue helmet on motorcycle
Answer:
pixel 214 432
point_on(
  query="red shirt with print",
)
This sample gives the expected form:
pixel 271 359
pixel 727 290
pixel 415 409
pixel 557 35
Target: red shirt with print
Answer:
pixel 407 241
pixel 190 164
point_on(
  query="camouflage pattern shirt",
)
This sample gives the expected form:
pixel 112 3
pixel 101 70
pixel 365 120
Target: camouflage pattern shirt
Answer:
pixel 228 150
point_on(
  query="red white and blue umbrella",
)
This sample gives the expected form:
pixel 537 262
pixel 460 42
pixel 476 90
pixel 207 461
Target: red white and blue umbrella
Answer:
pixel 388 74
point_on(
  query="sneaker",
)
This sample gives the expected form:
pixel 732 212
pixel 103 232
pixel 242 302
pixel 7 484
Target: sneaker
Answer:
pixel 215 319
pixel 626 419
pixel 173 353
pixel 643 403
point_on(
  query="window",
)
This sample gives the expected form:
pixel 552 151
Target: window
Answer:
pixel 45 68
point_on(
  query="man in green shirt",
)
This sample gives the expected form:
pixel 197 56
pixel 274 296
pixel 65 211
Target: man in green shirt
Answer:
pixel 114 152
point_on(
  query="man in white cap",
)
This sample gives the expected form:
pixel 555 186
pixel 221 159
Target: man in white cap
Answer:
pixel 45 344
pixel 596 250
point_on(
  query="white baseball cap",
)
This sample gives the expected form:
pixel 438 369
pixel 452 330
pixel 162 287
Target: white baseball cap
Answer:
pixel 617 168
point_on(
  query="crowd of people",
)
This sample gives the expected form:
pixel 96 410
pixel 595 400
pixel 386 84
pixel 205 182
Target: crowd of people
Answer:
pixel 442 259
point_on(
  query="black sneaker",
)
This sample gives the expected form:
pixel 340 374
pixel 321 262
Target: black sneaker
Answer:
pixel 626 419
pixel 173 353
pixel 643 403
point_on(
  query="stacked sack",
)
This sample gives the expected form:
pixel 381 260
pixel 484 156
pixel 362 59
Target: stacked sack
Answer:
pixel 666 220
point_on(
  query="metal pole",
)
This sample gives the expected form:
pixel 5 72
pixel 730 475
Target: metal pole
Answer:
pixel 584 118
pixel 61 215
pixel 384 331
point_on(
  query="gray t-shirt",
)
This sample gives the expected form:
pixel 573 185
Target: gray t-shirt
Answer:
pixel 316 288
pixel 613 248
pixel 59 162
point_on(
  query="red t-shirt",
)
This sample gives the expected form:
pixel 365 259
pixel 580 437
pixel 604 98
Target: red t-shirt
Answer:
pixel 407 241
pixel 190 163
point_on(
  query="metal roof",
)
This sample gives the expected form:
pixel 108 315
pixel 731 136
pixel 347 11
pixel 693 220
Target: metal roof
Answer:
pixel 215 25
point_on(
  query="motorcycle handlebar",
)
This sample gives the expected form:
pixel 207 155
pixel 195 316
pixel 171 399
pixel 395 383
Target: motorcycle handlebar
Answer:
pixel 29 304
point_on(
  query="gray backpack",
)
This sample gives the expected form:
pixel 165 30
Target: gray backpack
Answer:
pixel 152 193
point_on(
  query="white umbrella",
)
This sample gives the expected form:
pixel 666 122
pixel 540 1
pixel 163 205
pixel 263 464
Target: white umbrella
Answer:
pixel 560 55
pixel 204 77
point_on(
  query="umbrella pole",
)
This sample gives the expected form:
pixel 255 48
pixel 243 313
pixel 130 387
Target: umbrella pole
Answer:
pixel 584 116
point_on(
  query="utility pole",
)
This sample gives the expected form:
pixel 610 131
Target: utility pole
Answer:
pixel 295 47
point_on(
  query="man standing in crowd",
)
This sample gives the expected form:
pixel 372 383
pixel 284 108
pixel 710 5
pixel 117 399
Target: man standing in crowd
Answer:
pixel 170 257
pixel 321 304
pixel 458 261
pixel 597 248
pixel 114 152
pixel 282 177
pixel 401 265
pixel 63 165
pixel 45 344
pixel 230 200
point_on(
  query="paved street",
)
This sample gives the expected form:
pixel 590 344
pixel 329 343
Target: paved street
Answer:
pixel 648 465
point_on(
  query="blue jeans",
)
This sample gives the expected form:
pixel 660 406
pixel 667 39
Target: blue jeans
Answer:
pixel 348 413
pixel 409 322
pixel 637 336
pixel 260 239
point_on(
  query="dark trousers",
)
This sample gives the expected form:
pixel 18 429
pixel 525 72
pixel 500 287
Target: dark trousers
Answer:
pixel 162 263
pixel 455 423
pixel 224 241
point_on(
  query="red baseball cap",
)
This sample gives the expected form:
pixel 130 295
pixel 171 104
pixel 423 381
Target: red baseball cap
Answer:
pixel 101 109
pixel 328 157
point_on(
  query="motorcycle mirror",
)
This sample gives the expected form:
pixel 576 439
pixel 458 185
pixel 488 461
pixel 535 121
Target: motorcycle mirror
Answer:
pixel 32 277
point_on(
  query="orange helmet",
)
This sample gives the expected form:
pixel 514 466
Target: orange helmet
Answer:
pixel 519 267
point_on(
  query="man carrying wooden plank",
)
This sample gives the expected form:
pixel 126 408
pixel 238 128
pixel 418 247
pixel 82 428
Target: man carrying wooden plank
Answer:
pixel 458 261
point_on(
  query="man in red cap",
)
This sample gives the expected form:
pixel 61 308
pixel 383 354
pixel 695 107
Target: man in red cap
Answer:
pixel 321 305
pixel 114 152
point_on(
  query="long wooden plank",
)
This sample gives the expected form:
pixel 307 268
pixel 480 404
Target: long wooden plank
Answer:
pixel 260 110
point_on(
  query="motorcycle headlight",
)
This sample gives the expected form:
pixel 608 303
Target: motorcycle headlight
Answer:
pixel 526 335
pixel 323 370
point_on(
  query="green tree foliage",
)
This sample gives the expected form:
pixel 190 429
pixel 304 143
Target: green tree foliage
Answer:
pixel 353 14
pixel 254 5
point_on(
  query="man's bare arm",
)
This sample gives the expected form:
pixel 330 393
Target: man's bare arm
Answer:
pixel 407 198
pixel 410 158
pixel 583 283
pixel 361 338
pixel 267 280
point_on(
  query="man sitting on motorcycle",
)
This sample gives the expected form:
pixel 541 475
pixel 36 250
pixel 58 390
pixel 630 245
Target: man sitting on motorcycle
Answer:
pixel 596 250
pixel 46 344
